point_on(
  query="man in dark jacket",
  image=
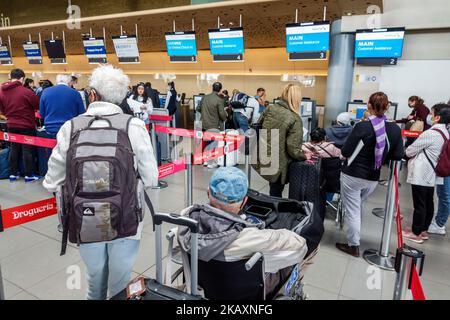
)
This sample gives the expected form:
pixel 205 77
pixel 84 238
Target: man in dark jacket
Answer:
pixel 153 94
pixel 212 109
pixel 338 133
pixel 18 104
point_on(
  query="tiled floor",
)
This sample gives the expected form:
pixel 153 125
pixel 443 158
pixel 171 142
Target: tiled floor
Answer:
pixel 33 269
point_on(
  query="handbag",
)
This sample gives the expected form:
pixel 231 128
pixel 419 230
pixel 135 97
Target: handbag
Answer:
pixel 417 125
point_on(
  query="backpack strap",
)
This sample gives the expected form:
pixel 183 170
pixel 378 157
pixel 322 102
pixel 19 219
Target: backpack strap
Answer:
pixel 441 133
pixel 150 207
pixel 429 160
pixel 331 156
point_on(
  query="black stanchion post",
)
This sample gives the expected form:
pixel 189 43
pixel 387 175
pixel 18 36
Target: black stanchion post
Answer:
pixel 381 257
pixel 406 260
pixel 161 184
pixel 188 183
pixel 2 290
pixel 248 168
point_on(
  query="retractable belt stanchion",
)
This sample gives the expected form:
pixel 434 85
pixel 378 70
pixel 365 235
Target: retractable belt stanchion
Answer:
pixel 406 260
pixel 248 168
pixel 161 184
pixel 175 141
pixel 188 187
pixel 381 257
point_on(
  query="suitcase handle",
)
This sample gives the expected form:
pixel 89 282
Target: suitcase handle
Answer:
pixel 176 219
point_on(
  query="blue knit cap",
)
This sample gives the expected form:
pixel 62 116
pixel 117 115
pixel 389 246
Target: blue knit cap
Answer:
pixel 228 185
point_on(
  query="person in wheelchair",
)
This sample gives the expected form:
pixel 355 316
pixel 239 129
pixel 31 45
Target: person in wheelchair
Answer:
pixel 225 234
pixel 319 147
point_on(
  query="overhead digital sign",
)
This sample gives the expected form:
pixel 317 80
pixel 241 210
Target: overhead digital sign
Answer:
pixel 308 40
pixel 95 50
pixel 33 52
pixel 55 51
pixel 227 44
pixel 380 44
pixel 181 46
pixel 5 55
pixel 126 49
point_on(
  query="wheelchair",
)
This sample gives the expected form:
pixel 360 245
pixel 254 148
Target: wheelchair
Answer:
pixel 232 280
pixel 331 183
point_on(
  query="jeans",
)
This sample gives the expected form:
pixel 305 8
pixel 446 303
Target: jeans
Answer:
pixel 423 201
pixel 44 153
pixel 108 265
pixel 443 192
pixel 354 192
pixel 27 152
pixel 240 121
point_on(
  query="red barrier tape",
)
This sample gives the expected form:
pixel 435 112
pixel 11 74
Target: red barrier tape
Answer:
pixel 206 136
pixel 30 140
pixel 416 286
pixel 29 212
pixel 411 134
pixel 159 118
pixel 171 168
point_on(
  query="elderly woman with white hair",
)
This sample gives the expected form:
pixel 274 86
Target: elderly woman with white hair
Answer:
pixel 109 263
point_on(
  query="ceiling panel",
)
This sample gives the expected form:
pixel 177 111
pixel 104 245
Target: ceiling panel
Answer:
pixel 264 23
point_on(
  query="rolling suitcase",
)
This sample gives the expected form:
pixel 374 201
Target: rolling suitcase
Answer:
pixel 304 185
pixel 155 290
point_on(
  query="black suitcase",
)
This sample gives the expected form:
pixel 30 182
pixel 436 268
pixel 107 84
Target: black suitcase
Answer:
pixel 155 290
pixel 304 185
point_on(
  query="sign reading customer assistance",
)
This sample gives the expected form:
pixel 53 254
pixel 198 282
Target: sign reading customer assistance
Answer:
pixel 126 49
pixel 227 44
pixel 379 43
pixel 95 50
pixel 308 37
pixel 5 55
pixel 181 46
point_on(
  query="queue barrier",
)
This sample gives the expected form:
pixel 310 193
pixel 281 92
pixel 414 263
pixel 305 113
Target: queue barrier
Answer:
pixel 408 261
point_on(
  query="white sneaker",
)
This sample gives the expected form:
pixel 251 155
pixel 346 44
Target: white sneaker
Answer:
pixel 213 166
pixel 435 229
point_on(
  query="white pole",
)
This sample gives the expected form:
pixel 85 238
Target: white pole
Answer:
pixel 193 24
pixel 174 26
pixel 137 35
pixel 90 33
pixel 29 37
pixel 53 36
pixel 240 20
pixel 218 22
pixel 324 13
pixel 296 15
pixel 10 48
pixel 64 40
pixel 121 30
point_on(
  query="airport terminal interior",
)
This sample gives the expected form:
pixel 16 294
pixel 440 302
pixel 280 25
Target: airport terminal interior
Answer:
pixel 339 52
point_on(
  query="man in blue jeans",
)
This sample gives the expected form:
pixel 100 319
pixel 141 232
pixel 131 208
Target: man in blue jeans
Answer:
pixel 58 104
pixel 438 224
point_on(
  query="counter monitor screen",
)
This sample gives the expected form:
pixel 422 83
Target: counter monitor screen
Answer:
pixel 306 108
pixel 162 99
pixel 181 46
pixel 126 49
pixel 5 55
pixel 94 49
pixel 33 52
pixel 227 45
pixel 308 40
pixel 356 110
